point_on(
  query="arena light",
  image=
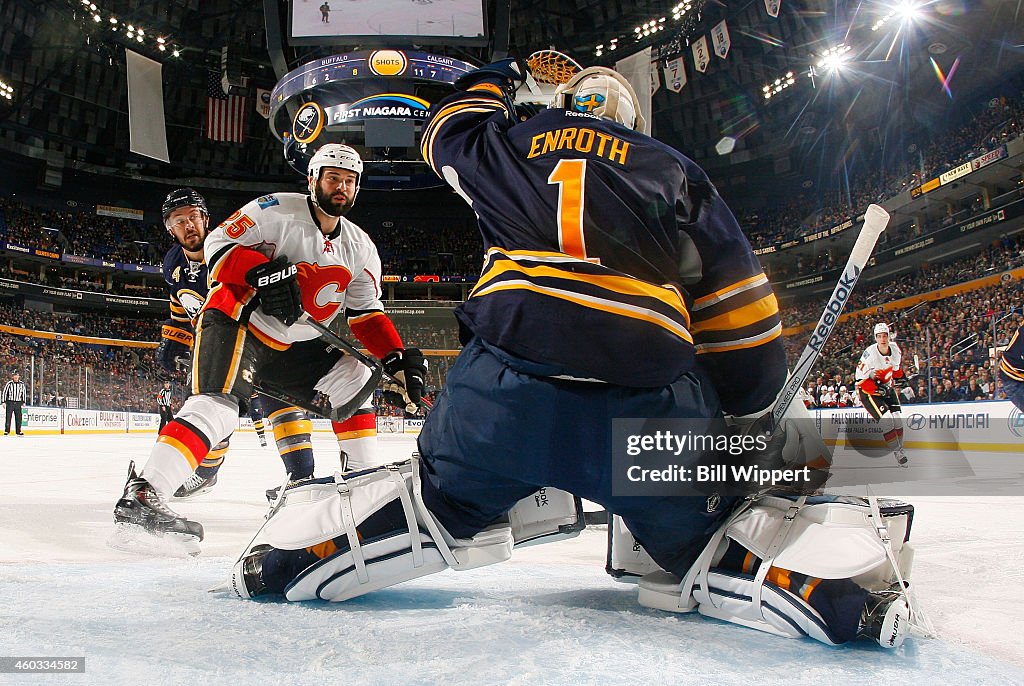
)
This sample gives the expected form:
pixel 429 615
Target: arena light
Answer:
pixel 681 9
pixel 648 28
pixel 903 11
pixel 833 59
pixel 773 88
pixel 6 90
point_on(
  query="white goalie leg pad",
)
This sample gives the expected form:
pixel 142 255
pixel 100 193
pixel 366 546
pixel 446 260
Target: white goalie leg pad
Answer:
pixel 547 516
pixel 321 511
pixel 850 538
pixel 627 560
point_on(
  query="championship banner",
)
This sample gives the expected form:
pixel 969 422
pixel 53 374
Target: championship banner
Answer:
pixel 772 7
pixel 720 39
pixel 263 102
pixel 675 74
pixel 655 80
pixel 700 54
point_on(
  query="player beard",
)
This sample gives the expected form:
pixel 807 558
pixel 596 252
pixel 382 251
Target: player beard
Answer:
pixel 329 206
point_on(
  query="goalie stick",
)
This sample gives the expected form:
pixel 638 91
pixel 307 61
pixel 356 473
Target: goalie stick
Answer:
pixel 875 221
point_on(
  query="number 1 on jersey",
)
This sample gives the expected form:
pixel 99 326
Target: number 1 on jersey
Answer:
pixel 570 176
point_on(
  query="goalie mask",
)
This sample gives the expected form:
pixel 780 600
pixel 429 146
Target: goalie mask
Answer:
pixel 338 156
pixel 602 92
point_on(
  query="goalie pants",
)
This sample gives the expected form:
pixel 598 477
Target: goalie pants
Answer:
pixel 501 429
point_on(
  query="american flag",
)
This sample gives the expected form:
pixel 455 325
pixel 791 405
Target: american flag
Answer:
pixel 225 114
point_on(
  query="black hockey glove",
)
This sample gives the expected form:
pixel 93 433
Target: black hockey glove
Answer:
pixel 275 281
pixel 409 368
pixel 175 344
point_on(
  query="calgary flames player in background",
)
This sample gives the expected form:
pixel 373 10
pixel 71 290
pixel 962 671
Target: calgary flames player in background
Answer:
pixel 878 372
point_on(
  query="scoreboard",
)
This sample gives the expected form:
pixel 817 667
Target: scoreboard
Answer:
pixel 375 101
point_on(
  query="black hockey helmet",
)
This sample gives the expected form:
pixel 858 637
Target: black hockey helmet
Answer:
pixel 183 197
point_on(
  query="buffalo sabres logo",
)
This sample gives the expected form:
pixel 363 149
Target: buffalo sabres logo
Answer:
pixel 588 103
pixel 308 123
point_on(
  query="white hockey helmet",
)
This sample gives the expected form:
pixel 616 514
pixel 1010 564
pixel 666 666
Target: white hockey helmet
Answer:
pixel 602 92
pixel 881 327
pixel 336 155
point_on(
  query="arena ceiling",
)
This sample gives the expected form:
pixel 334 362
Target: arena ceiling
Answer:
pixel 69 105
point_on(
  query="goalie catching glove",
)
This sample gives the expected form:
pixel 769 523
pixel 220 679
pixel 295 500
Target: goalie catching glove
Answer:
pixel 279 293
pixel 408 368
pixel 794 444
pixel 175 345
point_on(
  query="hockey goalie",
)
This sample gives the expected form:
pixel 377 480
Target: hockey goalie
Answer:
pixel 616 283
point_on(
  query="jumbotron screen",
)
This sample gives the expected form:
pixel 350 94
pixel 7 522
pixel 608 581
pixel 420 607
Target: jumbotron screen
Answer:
pixel 323 22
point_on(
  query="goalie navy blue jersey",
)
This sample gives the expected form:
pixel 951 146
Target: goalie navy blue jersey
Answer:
pixel 1012 361
pixel 607 253
pixel 186 284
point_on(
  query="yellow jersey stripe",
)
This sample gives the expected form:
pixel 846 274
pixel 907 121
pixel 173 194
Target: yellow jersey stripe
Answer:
pixel 469 105
pixel 616 284
pixel 610 306
pixel 741 316
pixel 741 343
pixel 729 291
pixel 1010 370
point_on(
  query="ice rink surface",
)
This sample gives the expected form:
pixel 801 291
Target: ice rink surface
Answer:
pixel 549 616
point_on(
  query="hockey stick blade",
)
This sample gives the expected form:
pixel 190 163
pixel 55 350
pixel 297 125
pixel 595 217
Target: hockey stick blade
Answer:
pixel 875 221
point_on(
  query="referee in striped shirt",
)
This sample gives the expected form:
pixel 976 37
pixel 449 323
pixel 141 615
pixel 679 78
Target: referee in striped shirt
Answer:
pixel 163 400
pixel 13 396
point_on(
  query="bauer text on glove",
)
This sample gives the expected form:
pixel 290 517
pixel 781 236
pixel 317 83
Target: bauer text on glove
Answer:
pixel 276 284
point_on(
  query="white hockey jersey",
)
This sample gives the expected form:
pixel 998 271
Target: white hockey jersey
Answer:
pixel 873 364
pixel 335 272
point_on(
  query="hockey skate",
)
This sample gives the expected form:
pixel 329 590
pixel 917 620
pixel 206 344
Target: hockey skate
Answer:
pixel 247 575
pixel 886 618
pixel 901 457
pixel 271 493
pixel 195 485
pixel 140 514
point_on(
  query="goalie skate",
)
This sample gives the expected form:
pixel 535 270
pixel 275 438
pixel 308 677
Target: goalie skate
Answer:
pixel 141 512
pixel 886 618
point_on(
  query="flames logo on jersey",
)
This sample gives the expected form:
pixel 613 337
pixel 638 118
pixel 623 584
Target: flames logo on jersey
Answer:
pixel 323 288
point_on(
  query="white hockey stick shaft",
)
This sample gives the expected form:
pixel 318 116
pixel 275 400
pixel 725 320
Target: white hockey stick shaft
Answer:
pixel 875 221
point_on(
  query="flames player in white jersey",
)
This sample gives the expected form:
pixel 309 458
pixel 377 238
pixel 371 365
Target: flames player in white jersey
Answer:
pixel 877 374
pixel 276 257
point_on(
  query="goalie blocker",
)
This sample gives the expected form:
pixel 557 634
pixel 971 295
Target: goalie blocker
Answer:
pixel 832 568
pixel 341 537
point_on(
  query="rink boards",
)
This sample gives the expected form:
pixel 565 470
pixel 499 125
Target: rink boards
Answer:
pixel 58 420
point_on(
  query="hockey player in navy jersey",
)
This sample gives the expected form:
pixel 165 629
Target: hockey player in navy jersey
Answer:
pixel 616 283
pixel 1011 370
pixel 246 331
